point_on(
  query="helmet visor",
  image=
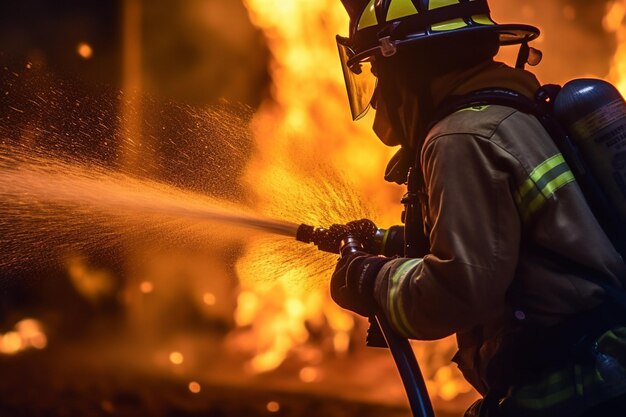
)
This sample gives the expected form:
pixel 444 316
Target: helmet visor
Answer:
pixel 359 78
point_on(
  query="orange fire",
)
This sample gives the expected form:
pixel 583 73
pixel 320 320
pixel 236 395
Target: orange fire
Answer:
pixel 27 333
pixel 313 165
pixel 296 132
pixel 614 23
pixel 84 50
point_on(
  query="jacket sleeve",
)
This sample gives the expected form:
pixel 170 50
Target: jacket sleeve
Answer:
pixel 474 242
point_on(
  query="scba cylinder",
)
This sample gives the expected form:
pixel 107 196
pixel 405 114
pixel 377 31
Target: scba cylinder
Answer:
pixel 594 114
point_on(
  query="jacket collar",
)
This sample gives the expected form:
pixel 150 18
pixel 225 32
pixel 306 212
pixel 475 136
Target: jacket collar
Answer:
pixel 488 75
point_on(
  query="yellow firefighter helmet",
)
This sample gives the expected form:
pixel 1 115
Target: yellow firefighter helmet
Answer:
pixel 381 27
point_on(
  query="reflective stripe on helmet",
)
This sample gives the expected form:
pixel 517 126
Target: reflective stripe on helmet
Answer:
pixel 436 4
pixel 483 20
pixel 449 25
pixel 400 8
pixel 368 18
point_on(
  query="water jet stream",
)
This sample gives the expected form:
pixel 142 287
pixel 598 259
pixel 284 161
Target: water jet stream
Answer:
pixel 58 200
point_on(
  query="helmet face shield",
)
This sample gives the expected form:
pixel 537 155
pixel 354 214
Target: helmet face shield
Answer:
pixel 359 78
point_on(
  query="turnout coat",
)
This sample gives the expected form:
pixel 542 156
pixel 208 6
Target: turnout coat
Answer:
pixel 497 197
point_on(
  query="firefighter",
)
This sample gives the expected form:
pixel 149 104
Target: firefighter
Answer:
pixel 510 239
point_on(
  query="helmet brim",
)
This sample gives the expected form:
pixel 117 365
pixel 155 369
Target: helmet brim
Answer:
pixel 361 84
pixel 510 34
pixel 515 34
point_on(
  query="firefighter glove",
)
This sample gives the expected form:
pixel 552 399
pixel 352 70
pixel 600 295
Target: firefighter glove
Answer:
pixel 352 283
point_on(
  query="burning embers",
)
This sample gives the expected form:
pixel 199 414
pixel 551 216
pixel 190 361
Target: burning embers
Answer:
pixel 27 334
pixel 614 23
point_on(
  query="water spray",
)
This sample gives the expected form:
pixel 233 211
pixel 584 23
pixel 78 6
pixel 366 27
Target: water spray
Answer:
pixel 70 198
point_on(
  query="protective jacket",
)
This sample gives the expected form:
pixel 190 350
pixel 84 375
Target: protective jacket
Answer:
pixel 509 230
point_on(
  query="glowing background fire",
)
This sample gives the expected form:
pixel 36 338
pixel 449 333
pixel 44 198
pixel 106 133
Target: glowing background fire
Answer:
pixel 613 22
pixel 306 124
pixel 310 163
pixel 308 111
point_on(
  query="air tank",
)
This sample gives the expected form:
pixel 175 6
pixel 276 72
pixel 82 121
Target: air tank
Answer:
pixel 594 114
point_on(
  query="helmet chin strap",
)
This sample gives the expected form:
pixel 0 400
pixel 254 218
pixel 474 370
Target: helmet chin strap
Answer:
pixel 522 56
pixel 528 55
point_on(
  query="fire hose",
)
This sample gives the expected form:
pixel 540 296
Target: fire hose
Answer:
pixel 380 332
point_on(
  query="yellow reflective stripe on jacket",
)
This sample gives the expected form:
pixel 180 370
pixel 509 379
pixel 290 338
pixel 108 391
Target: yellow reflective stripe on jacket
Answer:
pixel 541 184
pixel 555 388
pixel 475 108
pixel 558 388
pixel 368 18
pixel 395 304
pixel 575 386
pixel 400 8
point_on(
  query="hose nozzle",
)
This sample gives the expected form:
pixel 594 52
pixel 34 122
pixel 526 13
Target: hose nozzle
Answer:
pixel 375 241
pixel 327 240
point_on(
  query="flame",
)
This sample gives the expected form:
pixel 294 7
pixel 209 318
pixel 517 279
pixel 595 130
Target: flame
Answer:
pixel 613 22
pixel 194 387
pixel 296 131
pixel 146 287
pixel 84 50
pixel 176 358
pixel 27 333
pixel 94 284
pixel 313 165
pixel 273 406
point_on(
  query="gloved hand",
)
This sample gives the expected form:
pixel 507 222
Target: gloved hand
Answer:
pixel 352 283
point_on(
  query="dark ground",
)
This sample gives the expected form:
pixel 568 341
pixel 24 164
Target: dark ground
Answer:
pixel 75 381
